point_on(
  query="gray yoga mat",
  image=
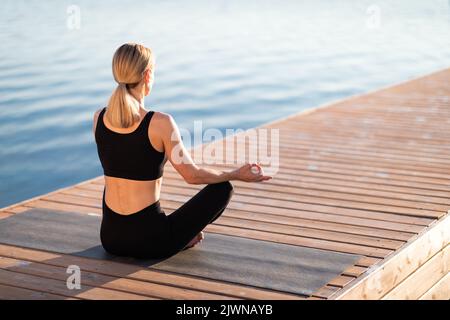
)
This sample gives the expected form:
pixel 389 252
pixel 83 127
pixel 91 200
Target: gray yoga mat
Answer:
pixel 264 264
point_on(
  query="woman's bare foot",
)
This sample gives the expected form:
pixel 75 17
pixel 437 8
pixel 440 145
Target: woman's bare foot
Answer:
pixel 198 239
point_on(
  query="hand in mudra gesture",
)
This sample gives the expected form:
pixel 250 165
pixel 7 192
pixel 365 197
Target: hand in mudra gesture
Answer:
pixel 251 172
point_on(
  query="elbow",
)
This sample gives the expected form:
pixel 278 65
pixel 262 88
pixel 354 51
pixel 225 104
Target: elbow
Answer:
pixel 192 178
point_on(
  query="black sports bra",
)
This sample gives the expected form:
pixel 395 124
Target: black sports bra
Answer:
pixel 128 155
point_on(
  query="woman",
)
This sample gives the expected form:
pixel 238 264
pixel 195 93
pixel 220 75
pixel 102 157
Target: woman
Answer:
pixel 133 145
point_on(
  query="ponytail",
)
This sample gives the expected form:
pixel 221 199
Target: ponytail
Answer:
pixel 123 109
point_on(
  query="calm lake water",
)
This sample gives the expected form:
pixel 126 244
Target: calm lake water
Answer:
pixel 232 64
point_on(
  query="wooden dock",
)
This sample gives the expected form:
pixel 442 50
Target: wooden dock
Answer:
pixel 368 175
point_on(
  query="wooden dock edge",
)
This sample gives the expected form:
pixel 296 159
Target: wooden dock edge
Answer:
pixel 419 270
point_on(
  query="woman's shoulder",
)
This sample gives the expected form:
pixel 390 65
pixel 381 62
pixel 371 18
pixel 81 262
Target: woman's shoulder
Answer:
pixel 96 115
pixel 163 122
pixel 162 118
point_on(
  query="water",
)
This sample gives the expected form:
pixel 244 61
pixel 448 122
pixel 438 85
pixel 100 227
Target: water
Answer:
pixel 232 64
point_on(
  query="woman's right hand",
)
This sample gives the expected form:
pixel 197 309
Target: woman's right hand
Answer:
pixel 251 173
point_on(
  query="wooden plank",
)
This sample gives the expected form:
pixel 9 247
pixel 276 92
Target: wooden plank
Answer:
pixel 63 207
pixel 341 281
pixel 326 291
pixel 127 271
pixel 15 293
pixel 379 281
pixel 96 280
pixel 354 271
pixel 4 215
pixel 17 209
pixel 424 278
pixel 316 298
pixel 11 278
pixel 87 192
pixel 11 207
pixel 68 199
pixel 367 262
pixel 440 291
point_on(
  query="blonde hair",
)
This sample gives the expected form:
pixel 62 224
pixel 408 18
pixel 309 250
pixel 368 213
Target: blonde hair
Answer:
pixel 128 65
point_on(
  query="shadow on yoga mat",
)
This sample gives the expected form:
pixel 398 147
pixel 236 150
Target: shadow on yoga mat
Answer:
pixel 264 264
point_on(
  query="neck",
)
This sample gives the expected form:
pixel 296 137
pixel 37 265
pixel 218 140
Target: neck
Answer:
pixel 139 96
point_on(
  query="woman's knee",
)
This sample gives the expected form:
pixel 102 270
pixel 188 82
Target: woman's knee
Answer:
pixel 223 190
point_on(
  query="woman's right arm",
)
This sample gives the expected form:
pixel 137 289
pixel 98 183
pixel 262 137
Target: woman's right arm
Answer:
pixel 181 160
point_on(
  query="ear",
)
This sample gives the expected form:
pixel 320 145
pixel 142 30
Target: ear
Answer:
pixel 147 74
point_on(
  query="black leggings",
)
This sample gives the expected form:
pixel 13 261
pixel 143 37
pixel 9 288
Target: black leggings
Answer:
pixel 150 233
